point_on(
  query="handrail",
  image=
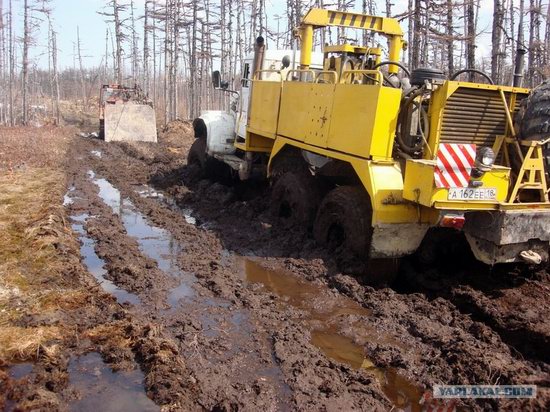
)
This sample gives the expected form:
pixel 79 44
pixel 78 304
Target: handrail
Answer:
pixel 301 71
pixel 267 71
pixel 324 72
pixel 367 73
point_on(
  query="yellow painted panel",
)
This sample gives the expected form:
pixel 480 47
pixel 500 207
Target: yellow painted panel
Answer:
pixel 320 114
pixel 264 108
pixel 419 187
pixel 295 109
pixel 363 120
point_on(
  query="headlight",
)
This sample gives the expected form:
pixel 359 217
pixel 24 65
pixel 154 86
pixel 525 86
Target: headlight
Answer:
pixel 485 159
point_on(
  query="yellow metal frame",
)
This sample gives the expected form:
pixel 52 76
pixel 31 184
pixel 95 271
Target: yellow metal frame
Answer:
pixel 350 48
pixel 318 18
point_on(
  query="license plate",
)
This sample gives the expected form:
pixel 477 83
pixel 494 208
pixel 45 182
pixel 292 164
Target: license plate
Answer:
pixel 472 193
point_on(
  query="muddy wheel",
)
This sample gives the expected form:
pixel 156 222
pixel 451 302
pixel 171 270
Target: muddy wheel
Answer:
pixel 344 226
pixel 197 154
pixel 289 161
pixel 295 196
pixel 343 222
pixel 101 129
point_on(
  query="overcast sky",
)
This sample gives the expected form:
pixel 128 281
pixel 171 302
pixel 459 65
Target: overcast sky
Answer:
pixel 68 14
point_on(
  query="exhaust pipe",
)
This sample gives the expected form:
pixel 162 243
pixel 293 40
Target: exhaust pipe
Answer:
pixel 520 58
pixel 519 64
pixel 259 48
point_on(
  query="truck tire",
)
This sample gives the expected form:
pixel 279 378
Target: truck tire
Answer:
pixel 197 154
pixel 288 161
pixel 101 134
pixel 344 221
pixel 534 122
pixel 295 196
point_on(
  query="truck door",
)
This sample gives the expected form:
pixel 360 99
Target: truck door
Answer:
pixel 242 113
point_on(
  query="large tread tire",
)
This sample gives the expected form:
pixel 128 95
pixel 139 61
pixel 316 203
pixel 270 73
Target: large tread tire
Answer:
pixel 344 221
pixel 204 166
pixel 534 121
pixel 296 196
pixel 197 154
pixel 344 226
pixel 288 162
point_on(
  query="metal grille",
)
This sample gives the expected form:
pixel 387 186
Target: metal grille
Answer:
pixel 474 116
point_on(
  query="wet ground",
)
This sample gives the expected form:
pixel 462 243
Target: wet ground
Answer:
pixel 229 308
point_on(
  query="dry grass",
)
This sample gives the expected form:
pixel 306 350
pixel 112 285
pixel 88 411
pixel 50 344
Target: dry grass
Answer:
pixel 37 243
pixel 21 344
pixel 112 332
pixel 23 147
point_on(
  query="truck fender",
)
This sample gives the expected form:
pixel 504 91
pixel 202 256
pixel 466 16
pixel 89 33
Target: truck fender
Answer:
pixel 218 127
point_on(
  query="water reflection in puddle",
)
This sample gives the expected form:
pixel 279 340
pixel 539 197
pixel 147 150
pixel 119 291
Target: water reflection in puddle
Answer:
pixel 154 242
pixel 181 292
pixel 68 198
pixel 20 370
pixel 96 265
pixel 303 295
pixel 101 389
pixel 149 192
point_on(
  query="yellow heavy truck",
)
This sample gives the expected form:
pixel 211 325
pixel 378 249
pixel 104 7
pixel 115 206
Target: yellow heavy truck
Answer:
pixel 371 156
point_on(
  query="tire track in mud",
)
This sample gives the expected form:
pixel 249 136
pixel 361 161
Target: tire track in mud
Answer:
pixel 430 341
pixel 312 367
pixel 257 363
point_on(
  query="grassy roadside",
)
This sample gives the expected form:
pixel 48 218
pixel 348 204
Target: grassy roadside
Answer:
pixel 40 269
pixel 33 232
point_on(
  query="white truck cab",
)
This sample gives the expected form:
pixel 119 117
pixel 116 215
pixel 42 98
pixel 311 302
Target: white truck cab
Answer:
pixel 223 128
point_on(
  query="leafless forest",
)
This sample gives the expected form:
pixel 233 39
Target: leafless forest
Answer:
pixel 169 48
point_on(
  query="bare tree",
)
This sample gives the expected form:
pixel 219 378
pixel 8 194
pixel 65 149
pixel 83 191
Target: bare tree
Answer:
pixel 25 61
pixel 11 64
pixel 496 52
pixel 470 35
pixel 116 14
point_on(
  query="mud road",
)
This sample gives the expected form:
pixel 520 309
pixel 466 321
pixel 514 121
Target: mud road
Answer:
pixel 230 308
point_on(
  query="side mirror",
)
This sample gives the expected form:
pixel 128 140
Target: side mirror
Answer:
pixel 286 61
pixel 216 79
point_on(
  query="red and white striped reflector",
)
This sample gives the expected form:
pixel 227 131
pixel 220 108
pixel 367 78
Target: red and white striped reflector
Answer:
pixel 454 164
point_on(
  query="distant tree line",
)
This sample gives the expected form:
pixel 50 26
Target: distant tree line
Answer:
pixel 170 47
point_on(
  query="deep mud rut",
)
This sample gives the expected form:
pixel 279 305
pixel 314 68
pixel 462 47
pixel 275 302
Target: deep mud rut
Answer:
pixel 247 313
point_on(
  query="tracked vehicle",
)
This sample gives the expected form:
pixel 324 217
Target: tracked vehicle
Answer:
pixel 371 156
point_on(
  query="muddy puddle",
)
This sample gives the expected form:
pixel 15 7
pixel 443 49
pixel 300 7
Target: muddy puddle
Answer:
pixel 20 370
pixel 323 321
pixel 98 388
pixel 96 265
pixel 148 192
pixel 154 242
